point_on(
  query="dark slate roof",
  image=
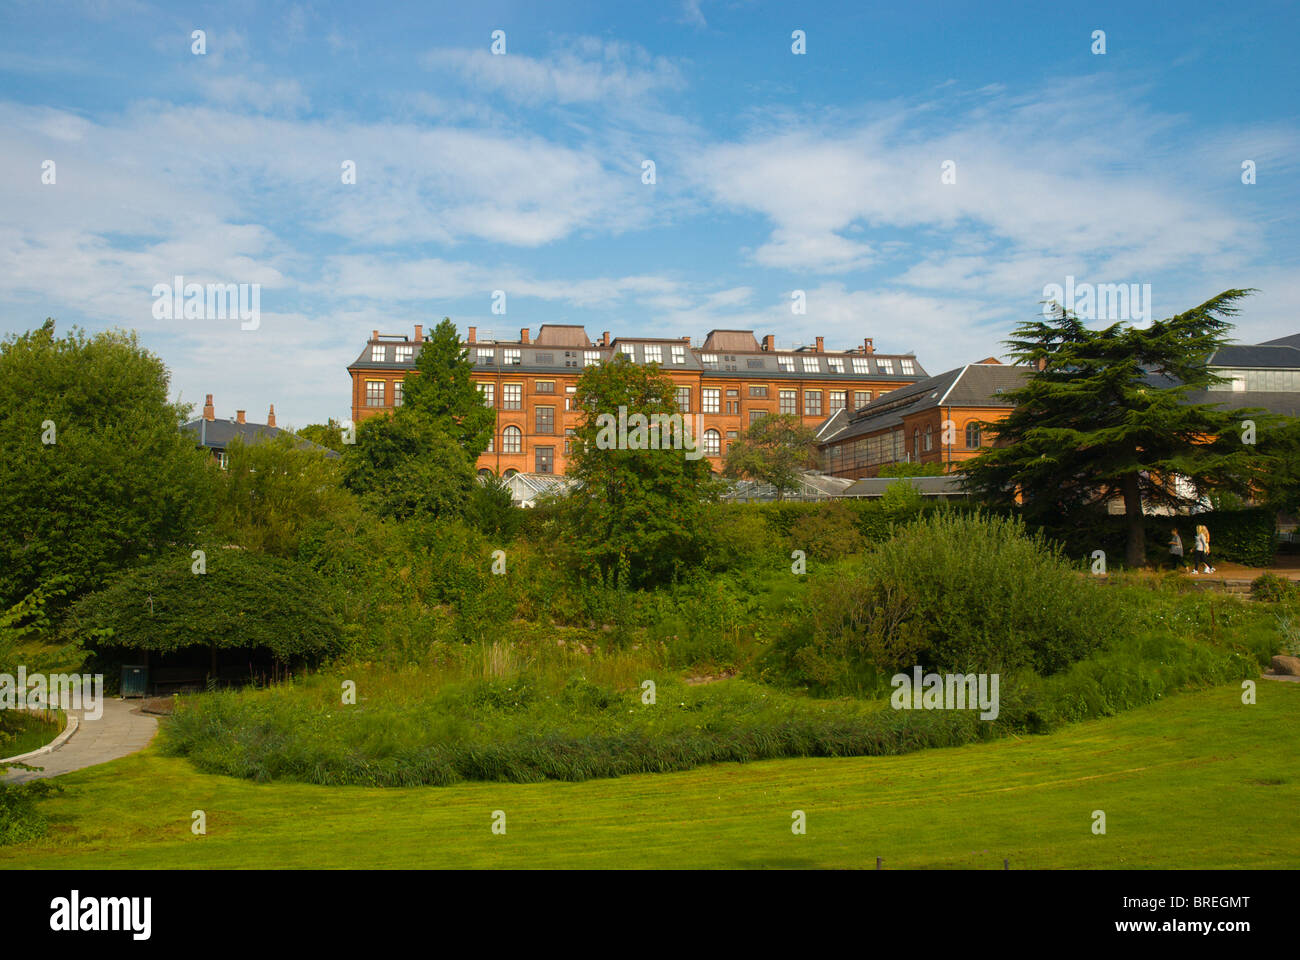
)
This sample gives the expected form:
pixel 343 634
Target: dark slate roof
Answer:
pixel 541 358
pixel 1290 341
pixel 1281 403
pixel 974 385
pixel 217 434
pixel 1257 356
pixel 949 485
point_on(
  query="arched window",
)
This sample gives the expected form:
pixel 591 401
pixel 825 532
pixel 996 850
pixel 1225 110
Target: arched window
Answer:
pixel 916 444
pixel 712 443
pixel 929 439
pixel 511 440
pixel 510 473
pixel 484 472
pixel 972 435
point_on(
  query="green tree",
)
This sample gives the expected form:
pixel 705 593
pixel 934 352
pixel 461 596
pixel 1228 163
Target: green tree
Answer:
pixel 272 490
pixel 406 465
pixel 491 508
pixel 444 391
pixel 329 435
pixel 94 470
pixel 773 450
pixel 420 460
pixel 1106 415
pixel 645 505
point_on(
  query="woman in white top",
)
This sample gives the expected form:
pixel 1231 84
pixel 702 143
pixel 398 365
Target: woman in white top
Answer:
pixel 1201 555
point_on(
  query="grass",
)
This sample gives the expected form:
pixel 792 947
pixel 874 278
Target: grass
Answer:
pixel 31 733
pixel 1194 781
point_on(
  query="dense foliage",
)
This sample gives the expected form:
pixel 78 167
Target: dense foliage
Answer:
pixel 773 450
pixel 94 472
pixel 245 600
pixel 1106 414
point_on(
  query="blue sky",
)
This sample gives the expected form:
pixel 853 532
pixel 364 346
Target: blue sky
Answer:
pixel 775 172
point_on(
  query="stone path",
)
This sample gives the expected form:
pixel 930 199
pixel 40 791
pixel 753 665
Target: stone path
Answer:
pixel 122 730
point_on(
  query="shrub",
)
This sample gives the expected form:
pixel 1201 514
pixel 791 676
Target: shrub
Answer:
pixel 827 533
pixel 952 592
pixel 245 600
pixel 1271 587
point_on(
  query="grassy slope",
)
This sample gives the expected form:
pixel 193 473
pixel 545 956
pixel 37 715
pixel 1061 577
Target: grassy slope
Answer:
pixel 1194 781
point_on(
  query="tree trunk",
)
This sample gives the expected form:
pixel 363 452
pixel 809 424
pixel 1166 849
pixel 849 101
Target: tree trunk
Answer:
pixel 1136 553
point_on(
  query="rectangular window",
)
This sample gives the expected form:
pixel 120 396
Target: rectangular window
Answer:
pixel 861 365
pixel 709 360
pixel 712 400
pixel 786 364
pixel 378 354
pixel 568 442
pixel 653 353
pixel 545 386
pixel 374 393
pixel 544 359
pixel 512 396
pixel 758 390
pixel 544 419
pixel 404 354
pixel 909 368
pixel 486 355
pixel 510 357
pixel 811 365
pixel 812 403
pixel 886 366
pixel 836 364
pixel 756 415
pixel 590 358
pixel 489 392
pixel 544 459
pixel 629 349
pixel 684 399
pixel 398 385
pixel 861 398
pixel 839 398
pixel 679 354
pixel 733 393
pixel 789 401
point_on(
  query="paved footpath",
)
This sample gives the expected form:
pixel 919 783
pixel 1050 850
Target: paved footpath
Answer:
pixel 122 730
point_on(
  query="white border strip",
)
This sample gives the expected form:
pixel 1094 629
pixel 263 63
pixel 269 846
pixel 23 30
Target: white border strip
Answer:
pixel 60 740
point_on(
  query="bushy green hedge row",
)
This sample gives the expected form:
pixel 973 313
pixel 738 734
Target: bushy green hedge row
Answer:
pixel 1247 536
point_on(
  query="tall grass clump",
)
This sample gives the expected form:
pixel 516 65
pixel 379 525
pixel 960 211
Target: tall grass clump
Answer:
pixel 952 592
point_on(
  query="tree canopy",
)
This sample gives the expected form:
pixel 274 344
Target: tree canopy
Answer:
pixel 773 450
pixel 94 470
pixel 1105 414
pixel 644 505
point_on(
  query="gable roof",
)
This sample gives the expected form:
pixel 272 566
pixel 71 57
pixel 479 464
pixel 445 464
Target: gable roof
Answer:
pixel 218 435
pixel 1258 355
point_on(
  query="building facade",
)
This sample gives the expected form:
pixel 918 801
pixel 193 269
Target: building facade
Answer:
pixel 939 420
pixel 731 380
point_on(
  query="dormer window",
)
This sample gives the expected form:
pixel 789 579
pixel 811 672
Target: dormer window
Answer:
pixel 861 365
pixel 836 364
pixel 886 366
pixel 510 357
pixel 908 366
pixel 679 354
pixel 404 354
pixel 378 353
pixel 786 364
pixel 654 353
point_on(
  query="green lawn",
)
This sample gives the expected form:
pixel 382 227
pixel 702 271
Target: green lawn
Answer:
pixel 1198 780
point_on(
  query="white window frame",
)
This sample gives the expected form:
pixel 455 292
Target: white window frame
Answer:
pixel 679 354
pixel 710 400
pixel 378 353
pixel 511 357
pixel 786 364
pixel 886 366
pixel 654 353
pixel 489 393
pixel 811 365
pixel 836 364
pixel 909 368
pixel 861 365
pixel 590 358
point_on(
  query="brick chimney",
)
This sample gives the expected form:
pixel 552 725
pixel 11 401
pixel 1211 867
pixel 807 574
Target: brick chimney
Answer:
pixel 208 412
pixel 239 416
pixel 604 339
pixel 821 344
pixel 523 336
pixel 473 335
pixel 867 347
pixel 374 334
pixel 769 342
pixel 270 417
pixel 419 333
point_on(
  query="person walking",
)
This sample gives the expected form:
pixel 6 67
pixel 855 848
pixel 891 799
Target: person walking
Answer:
pixel 1201 555
pixel 1176 549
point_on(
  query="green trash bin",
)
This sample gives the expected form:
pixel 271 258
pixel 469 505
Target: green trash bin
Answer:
pixel 134 680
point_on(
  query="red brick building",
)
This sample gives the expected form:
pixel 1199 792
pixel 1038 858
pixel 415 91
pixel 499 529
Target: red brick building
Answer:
pixel 731 379
pixel 936 420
